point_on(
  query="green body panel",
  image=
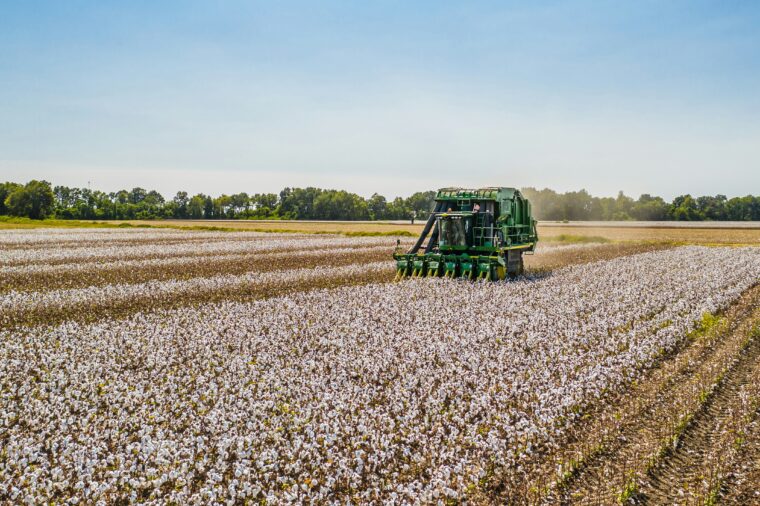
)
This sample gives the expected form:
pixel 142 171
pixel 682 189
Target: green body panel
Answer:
pixel 476 233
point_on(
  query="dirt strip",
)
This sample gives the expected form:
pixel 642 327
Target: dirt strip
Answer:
pixel 741 484
pixel 65 243
pixel 186 267
pixel 553 259
pixel 210 249
pixel 695 469
pixel 92 305
pixel 79 275
pixel 112 308
pixel 621 437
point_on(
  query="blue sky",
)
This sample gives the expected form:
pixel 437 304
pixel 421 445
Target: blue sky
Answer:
pixel 387 96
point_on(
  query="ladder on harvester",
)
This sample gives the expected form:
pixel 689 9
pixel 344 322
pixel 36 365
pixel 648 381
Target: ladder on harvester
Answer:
pixel 482 229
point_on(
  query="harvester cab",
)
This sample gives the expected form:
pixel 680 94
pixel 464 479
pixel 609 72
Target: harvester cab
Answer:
pixel 474 234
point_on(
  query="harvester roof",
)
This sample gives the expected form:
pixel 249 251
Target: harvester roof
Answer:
pixel 488 193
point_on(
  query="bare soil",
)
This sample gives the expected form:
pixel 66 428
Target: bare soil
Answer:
pixel 696 468
pixel 674 232
pixel 664 440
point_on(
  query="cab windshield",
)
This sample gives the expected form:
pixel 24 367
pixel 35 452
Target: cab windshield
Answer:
pixel 452 231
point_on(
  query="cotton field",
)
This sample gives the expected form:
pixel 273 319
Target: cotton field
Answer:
pixel 206 367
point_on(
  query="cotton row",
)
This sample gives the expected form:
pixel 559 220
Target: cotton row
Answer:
pixel 15 304
pixel 177 261
pixel 127 251
pixel 394 393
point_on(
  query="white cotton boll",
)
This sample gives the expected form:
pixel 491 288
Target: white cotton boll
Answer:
pixel 363 386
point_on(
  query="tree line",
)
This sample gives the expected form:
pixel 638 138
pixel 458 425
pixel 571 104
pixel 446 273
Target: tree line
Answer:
pixel 579 205
pixel 39 199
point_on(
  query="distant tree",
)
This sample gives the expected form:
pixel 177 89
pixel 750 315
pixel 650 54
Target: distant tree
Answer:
pixel 34 200
pixel 339 205
pixel 623 207
pixel 66 197
pixel 377 206
pixel 576 205
pixel 743 208
pixel 208 207
pixel 298 203
pixel 240 203
pixel 684 208
pixel 168 210
pixel 397 209
pixel 122 197
pixel 153 198
pixel 545 203
pixel 181 201
pixel 222 206
pixel 263 205
pixel 421 204
pixel 137 195
pixel 648 208
pixel 196 207
pixel 5 190
pixel 712 208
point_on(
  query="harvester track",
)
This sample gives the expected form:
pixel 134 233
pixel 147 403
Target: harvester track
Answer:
pixel 697 468
pixel 741 484
pixel 622 448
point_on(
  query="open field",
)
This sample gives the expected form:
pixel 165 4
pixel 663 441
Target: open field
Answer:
pixel 683 232
pixel 738 233
pixel 185 366
pixel 676 234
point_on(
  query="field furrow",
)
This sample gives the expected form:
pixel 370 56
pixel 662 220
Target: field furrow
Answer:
pixel 740 484
pixel 42 239
pixel 95 302
pixel 554 256
pixel 85 254
pixel 606 456
pixel 694 470
pixel 43 278
pixel 303 397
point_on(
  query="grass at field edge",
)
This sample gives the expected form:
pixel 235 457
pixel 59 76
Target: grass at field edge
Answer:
pixel 8 223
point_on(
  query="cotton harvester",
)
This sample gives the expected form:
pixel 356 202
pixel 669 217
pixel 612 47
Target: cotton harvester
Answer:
pixel 476 234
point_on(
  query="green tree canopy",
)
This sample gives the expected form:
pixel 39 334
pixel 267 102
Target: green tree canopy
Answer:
pixel 34 200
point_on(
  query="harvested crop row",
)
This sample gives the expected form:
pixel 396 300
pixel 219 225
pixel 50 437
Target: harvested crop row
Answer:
pixel 24 302
pixel 165 241
pixel 61 251
pixel 304 398
pixel 44 278
pixel 593 464
pixel 740 486
pixel 132 241
pixel 144 251
pixel 95 302
pixel 694 468
pixel 46 237
pixel 552 256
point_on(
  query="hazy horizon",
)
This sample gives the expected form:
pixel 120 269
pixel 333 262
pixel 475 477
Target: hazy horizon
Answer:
pixel 386 97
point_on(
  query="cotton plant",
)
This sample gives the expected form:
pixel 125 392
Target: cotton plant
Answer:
pixel 180 261
pixel 413 392
pixel 55 236
pixel 18 303
pixel 184 245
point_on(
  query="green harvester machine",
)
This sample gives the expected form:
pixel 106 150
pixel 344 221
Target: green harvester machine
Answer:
pixel 476 234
